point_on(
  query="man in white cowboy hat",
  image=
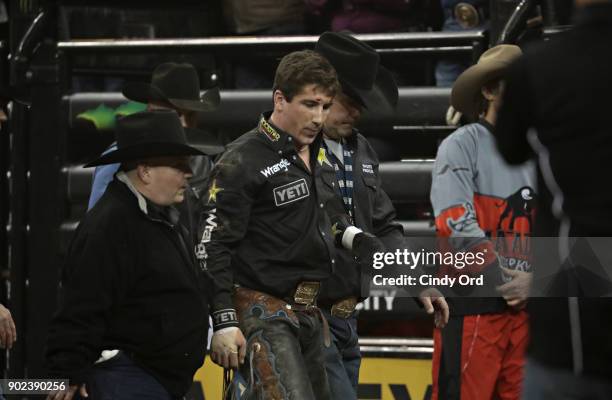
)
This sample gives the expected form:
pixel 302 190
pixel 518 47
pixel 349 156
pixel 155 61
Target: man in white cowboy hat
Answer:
pixel 369 87
pixel 479 202
pixel 174 86
pixel 131 283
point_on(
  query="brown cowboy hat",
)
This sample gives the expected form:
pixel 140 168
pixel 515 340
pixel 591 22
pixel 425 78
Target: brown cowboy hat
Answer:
pixel 147 134
pixel 177 84
pixel 491 65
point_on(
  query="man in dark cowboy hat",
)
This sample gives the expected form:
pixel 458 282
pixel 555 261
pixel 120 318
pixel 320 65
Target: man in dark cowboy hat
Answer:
pixel 177 87
pixel 132 289
pixel 369 87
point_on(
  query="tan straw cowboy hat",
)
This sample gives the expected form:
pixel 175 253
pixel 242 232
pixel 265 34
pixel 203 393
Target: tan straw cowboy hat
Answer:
pixel 491 65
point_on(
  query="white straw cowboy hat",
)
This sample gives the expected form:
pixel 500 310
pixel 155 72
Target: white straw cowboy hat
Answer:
pixel 491 65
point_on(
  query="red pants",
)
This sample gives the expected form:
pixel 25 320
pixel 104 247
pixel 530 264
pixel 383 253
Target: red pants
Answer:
pixel 480 357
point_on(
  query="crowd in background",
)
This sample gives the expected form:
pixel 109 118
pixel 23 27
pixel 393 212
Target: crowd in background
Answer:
pixel 275 17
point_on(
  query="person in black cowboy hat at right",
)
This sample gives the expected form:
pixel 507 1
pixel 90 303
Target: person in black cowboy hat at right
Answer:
pixel 369 87
pixel 174 86
pixel 133 310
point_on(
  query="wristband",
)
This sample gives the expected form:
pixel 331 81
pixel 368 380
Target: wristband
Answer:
pixel 348 236
pixel 224 318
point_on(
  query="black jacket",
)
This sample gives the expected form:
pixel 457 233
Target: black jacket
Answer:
pixel 372 212
pixel 265 227
pixel 562 89
pixel 130 282
pixel 567 100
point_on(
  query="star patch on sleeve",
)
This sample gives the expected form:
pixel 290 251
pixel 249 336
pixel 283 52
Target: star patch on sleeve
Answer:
pixel 212 192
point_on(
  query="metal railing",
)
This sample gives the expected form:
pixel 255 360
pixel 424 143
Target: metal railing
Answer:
pixel 419 110
pixel 397 42
pixel 396 346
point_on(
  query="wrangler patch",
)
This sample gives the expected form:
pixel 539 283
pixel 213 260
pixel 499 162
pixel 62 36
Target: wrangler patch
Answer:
pixel 291 192
pixel 282 165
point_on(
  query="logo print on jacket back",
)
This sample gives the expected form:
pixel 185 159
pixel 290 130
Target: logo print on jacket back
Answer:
pixel 291 192
pixel 519 205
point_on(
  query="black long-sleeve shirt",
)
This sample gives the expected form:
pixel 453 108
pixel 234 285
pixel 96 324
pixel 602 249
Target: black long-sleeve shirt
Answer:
pixel 265 225
pixel 372 211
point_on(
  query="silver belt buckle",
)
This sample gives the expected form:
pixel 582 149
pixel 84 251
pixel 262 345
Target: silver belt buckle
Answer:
pixel 306 293
pixel 344 308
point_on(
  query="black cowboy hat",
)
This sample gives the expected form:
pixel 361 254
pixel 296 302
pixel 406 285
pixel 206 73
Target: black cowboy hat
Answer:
pixel 359 71
pixel 206 142
pixel 147 134
pixel 177 84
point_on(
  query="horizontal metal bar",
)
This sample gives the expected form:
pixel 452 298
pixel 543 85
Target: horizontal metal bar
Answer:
pixel 385 341
pixel 407 181
pixel 404 38
pixel 418 107
pixel 395 346
pixel 555 30
pixel 423 127
pixel 423 228
pixel 428 129
pixel 427 50
pixel 78 182
pixel 423 161
pixel 396 350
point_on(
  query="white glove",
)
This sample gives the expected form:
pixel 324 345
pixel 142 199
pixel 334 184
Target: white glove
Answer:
pixel 228 347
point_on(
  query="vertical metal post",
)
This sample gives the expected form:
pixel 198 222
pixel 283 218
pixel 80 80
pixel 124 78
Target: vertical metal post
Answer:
pixel 15 143
pixel 4 212
pixel 45 202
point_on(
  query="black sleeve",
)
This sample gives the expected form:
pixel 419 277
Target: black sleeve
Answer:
pixel 223 225
pixel 515 116
pixel 386 228
pixel 95 279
